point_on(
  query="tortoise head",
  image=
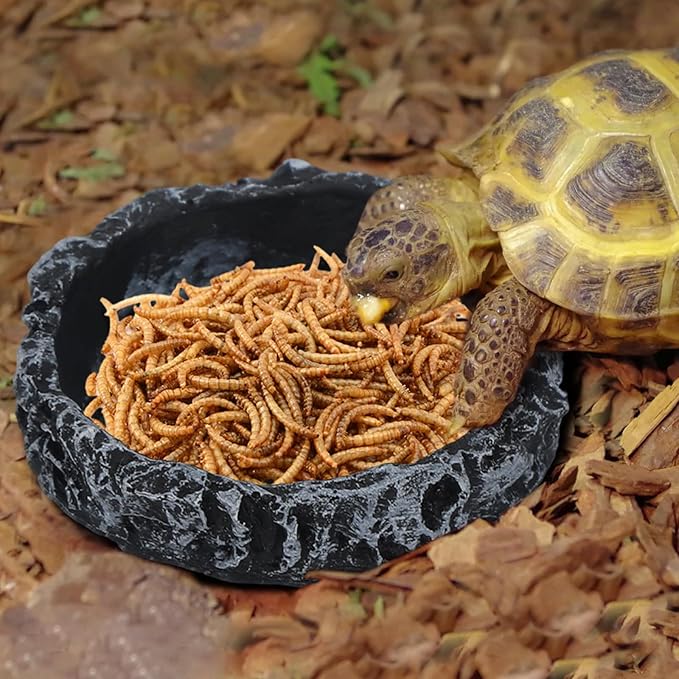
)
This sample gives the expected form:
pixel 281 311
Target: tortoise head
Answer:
pixel 400 266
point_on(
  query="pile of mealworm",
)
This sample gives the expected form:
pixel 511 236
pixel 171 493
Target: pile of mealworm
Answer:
pixel 266 375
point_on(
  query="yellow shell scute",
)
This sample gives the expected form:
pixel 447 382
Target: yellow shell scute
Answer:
pixel 620 190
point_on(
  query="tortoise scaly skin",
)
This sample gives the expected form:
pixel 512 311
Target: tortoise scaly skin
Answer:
pixel 566 216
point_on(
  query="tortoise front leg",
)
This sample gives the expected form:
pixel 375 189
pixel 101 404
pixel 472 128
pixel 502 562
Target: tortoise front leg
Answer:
pixel 503 331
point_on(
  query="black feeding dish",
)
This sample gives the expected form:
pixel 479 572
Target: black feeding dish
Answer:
pixel 237 531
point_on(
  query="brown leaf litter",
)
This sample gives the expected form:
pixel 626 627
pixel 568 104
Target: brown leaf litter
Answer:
pixel 101 101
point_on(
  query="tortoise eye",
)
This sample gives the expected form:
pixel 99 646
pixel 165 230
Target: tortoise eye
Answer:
pixel 391 275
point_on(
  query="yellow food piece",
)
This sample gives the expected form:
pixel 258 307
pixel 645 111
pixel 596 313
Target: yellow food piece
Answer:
pixel 371 309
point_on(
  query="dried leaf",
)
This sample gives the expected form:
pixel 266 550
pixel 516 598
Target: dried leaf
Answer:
pixel 380 98
pixel 661 554
pixel 288 38
pixel 624 371
pixel 600 413
pixel 590 448
pixel 560 607
pixel 628 479
pixel 261 142
pixel 624 407
pixel 521 517
pixel 666 621
pixel 121 628
pixel 458 548
pixel 594 382
pixel 504 656
pixel 503 545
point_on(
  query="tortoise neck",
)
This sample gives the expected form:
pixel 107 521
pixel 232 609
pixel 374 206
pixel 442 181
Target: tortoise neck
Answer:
pixel 477 256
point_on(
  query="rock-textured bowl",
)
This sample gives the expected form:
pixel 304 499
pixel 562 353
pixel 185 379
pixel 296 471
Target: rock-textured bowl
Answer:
pixel 237 531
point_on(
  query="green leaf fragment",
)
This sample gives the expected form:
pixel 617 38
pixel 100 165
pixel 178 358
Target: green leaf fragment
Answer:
pixel 378 608
pixel 358 73
pixel 355 596
pixel 86 17
pixel 59 118
pixel 89 15
pixel 37 207
pixel 353 607
pixel 328 44
pixel 94 173
pixel 319 70
pixel 103 154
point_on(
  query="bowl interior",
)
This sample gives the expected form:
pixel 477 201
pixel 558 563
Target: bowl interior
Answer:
pixel 196 244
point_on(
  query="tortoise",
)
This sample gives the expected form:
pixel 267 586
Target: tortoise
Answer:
pixel 564 215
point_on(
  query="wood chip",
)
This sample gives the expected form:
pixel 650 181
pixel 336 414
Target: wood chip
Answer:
pixel 640 427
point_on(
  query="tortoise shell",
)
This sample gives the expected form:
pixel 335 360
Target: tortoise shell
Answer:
pixel 580 178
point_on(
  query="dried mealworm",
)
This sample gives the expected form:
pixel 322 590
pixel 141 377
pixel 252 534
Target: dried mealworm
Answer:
pixel 172 431
pixel 232 280
pixel 288 320
pixel 227 416
pixel 200 363
pixel 271 282
pixel 91 384
pixel 223 466
pixel 265 419
pixel 376 436
pixel 429 418
pixel 264 371
pixel 445 338
pixel 210 337
pixel 159 449
pixel 220 383
pixel 207 459
pixel 190 352
pixel 92 407
pixel 401 455
pixel 160 301
pixel 360 453
pixel 372 409
pixel 339 359
pixel 150 349
pixel 244 336
pixel 178 393
pixel 297 465
pixel 175 330
pixel 444 404
pixel 103 384
pixel 230 376
pixel 317 329
pixel 399 388
pixel 285 419
pixel 255 436
pixel 280 335
pixel 122 407
pixel 304 387
pixel 139 435
pixel 396 336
